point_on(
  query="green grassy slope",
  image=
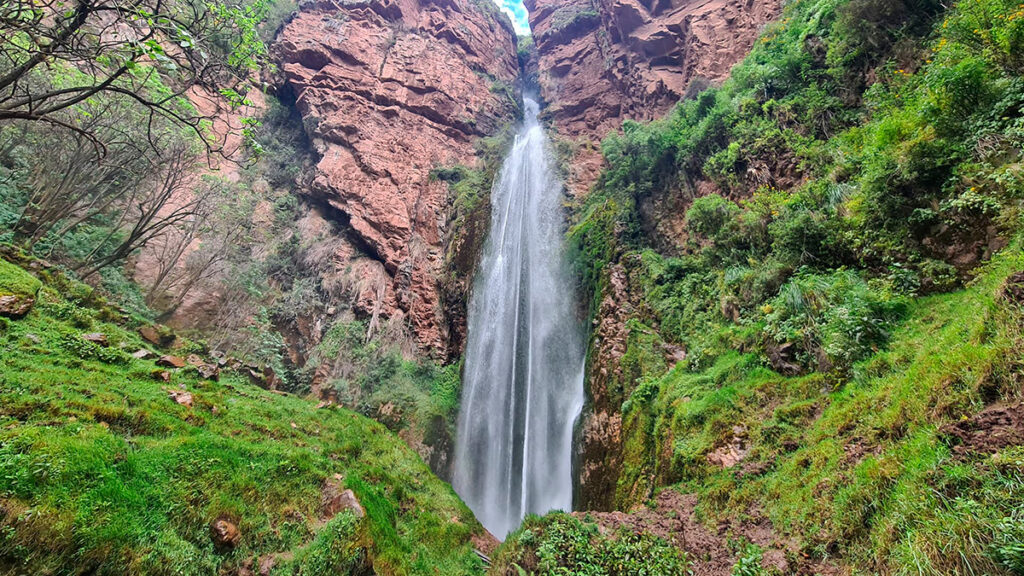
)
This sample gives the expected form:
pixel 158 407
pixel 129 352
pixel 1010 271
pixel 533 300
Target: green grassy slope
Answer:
pixel 102 473
pixel 864 468
pixel 816 234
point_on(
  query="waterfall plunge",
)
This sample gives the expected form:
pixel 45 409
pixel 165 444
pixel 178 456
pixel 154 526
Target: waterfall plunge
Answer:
pixel 523 379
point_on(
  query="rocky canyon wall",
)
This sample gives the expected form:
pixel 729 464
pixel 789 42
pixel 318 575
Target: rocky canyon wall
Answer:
pixel 390 90
pixel 603 61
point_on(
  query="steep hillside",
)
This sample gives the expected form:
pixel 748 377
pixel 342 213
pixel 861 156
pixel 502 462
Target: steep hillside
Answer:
pixel 117 457
pixel 790 322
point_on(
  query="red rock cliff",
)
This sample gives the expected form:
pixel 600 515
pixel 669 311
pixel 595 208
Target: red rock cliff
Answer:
pixel 602 61
pixel 388 90
pixel 605 60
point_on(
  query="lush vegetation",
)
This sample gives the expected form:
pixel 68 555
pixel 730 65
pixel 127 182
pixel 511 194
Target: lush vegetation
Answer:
pixel 857 467
pixel 562 544
pixel 904 182
pixel 837 195
pixel 102 472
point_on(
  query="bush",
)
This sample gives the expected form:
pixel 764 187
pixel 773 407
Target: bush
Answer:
pixel 833 320
pixel 561 544
pixel 708 215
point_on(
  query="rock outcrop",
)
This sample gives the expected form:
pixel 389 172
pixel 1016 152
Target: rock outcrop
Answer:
pixel 390 90
pixel 603 61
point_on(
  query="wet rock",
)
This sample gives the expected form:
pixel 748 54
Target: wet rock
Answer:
pixel 225 534
pixel 169 361
pixel 15 306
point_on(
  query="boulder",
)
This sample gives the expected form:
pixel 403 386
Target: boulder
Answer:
pixel 96 338
pixel 143 354
pixel 157 335
pixel 180 397
pixel 208 372
pixel 335 499
pixel 15 306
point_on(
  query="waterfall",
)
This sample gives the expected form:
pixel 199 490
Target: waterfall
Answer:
pixel 523 377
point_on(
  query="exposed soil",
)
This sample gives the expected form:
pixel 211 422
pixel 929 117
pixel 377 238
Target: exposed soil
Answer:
pixel 673 519
pixel 1013 288
pixel 988 431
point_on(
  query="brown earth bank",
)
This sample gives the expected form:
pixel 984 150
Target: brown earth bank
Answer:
pixel 603 61
pixel 713 550
pixel 388 91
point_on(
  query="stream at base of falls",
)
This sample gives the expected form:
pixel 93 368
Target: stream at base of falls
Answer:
pixel 523 376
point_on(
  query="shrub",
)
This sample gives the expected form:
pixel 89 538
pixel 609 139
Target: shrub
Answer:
pixel 833 320
pixel 561 544
pixel 708 215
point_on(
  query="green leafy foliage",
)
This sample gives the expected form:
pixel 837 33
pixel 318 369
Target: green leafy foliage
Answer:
pixel 801 232
pixel 563 544
pixel 856 469
pixel 372 376
pixel 835 320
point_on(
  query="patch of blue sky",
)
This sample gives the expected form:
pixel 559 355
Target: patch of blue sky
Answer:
pixel 517 12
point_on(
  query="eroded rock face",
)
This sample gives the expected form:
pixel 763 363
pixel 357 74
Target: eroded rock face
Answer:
pixel 389 90
pixel 603 61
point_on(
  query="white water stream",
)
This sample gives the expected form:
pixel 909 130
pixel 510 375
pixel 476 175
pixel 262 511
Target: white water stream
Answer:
pixel 523 378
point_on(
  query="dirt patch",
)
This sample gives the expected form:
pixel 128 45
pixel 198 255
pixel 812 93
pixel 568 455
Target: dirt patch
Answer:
pixel 989 431
pixel 485 542
pixel 673 519
pixel 1013 288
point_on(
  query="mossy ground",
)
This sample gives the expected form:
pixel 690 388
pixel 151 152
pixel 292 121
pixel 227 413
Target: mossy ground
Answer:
pixel 102 473
pixel 15 281
pixel 857 469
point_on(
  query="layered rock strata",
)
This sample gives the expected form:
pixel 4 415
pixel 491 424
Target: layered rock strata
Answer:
pixel 603 61
pixel 390 90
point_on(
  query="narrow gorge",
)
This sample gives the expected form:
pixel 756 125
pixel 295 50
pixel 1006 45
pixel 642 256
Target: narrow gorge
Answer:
pixel 518 288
